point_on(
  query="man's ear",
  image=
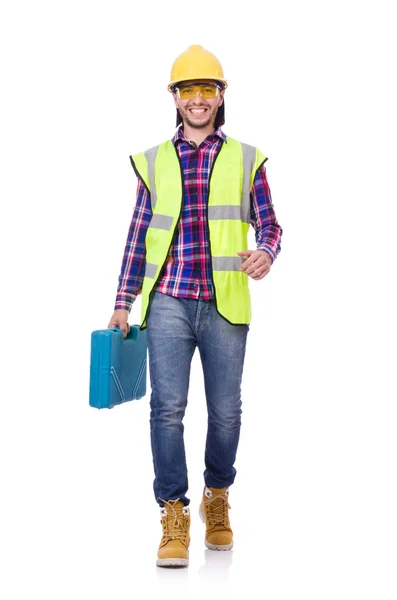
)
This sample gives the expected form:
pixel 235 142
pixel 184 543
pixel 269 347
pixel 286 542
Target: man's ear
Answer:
pixel 222 94
pixel 175 98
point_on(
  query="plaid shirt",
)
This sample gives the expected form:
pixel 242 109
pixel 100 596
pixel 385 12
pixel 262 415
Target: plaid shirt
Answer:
pixel 186 273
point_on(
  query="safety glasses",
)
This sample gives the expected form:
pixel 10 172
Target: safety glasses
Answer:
pixel 206 90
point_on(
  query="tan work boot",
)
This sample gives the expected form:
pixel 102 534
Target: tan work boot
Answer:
pixel 214 512
pixel 174 546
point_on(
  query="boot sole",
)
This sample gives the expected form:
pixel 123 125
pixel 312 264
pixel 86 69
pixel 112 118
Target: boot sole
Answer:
pixel 172 562
pixel 208 544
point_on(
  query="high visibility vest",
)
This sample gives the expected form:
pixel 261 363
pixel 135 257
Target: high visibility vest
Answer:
pixel 228 218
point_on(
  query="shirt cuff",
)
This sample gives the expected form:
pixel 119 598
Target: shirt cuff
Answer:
pixel 124 301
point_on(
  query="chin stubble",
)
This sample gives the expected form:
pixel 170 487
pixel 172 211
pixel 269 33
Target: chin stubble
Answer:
pixel 198 125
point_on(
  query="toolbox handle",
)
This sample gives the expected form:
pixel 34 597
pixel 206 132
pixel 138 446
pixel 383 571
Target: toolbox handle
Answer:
pixel 131 335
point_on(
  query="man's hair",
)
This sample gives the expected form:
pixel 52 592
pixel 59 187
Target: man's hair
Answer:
pixel 219 118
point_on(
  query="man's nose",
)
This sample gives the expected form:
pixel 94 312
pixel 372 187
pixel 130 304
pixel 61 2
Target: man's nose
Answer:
pixel 197 97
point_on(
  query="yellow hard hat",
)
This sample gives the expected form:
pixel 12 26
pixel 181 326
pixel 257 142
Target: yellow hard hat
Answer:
pixel 196 63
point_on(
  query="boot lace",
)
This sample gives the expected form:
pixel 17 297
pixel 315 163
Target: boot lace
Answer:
pixel 174 521
pixel 217 510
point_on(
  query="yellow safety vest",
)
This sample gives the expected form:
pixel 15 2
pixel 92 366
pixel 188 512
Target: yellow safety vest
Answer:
pixel 228 217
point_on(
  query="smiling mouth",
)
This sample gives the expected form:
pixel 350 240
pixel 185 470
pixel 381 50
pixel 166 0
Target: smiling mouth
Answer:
pixel 198 111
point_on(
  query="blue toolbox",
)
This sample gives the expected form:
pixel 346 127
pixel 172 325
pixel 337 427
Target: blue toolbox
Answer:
pixel 118 366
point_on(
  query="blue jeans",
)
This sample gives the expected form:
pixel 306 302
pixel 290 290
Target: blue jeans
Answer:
pixel 175 327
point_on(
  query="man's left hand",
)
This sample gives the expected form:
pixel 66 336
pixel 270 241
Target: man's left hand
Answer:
pixel 257 265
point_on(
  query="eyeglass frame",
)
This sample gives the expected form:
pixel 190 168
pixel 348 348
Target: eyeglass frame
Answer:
pixel 216 84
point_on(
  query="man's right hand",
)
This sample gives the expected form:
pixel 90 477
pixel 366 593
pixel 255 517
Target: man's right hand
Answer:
pixel 120 319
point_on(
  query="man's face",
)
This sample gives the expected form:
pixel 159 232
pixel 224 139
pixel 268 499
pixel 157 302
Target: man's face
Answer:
pixel 199 112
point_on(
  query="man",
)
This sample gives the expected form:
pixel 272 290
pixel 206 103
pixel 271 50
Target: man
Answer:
pixel 187 254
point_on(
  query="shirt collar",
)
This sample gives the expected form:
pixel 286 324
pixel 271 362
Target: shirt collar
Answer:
pixel 180 135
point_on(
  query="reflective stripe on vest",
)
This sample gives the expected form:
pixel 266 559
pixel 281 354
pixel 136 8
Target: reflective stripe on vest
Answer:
pixel 219 263
pixel 150 270
pixel 161 222
pixel 249 155
pixel 227 263
pixel 151 159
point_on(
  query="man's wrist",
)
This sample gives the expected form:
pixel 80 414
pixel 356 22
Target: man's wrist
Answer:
pixel 269 253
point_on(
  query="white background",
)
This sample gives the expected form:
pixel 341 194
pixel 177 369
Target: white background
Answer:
pixel 312 84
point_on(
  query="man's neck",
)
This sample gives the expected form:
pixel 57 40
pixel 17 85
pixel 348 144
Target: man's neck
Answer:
pixel 197 135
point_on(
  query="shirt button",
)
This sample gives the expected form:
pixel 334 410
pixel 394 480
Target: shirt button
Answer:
pixel 198 218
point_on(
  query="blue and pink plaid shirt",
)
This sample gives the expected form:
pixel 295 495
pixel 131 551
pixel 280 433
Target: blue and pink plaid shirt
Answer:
pixel 186 273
